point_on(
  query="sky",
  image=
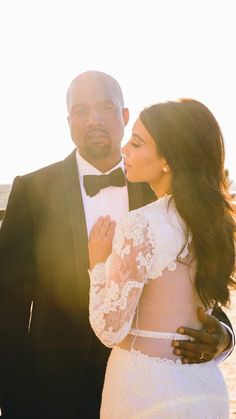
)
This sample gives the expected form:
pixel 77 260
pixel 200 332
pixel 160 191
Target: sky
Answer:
pixel 156 49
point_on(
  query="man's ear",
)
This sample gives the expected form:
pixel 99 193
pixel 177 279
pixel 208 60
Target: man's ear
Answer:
pixel 125 112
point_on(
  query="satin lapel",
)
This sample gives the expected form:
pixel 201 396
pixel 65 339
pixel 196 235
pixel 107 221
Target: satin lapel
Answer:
pixel 136 199
pixel 78 226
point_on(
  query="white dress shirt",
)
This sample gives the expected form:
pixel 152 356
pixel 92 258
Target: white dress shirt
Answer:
pixel 111 201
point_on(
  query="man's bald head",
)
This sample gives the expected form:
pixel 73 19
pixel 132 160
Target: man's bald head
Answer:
pixel 92 78
pixel 97 117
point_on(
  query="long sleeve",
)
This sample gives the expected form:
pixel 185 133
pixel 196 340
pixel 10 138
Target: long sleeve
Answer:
pixel 221 316
pixel 116 286
pixel 16 289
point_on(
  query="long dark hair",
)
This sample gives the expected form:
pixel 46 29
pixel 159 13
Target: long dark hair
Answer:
pixel 189 137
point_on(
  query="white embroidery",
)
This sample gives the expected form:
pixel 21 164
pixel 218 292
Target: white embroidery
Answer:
pixel 146 242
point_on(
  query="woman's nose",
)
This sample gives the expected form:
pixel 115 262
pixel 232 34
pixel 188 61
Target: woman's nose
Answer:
pixel 124 149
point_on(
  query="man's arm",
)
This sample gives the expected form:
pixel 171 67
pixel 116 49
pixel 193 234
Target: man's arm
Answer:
pixel 215 339
pixel 16 289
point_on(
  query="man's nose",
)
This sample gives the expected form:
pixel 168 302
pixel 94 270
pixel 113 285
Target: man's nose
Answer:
pixel 94 118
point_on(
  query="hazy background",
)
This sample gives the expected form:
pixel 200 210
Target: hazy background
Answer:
pixel 156 49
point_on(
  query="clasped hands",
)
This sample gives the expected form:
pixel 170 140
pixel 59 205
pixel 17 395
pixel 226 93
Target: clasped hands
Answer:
pixel 208 342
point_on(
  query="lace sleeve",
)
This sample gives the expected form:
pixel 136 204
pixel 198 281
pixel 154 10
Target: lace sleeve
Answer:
pixel 115 287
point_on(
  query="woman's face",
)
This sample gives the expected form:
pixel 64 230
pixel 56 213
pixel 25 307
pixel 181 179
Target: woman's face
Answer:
pixel 143 163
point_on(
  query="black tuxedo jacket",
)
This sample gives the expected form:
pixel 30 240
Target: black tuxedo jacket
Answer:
pixel 51 363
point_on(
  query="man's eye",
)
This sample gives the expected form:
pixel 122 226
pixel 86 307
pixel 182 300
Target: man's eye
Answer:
pixel 80 112
pixel 135 145
pixel 106 108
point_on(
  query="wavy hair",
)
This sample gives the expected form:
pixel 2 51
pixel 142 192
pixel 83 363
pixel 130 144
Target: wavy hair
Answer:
pixel 187 134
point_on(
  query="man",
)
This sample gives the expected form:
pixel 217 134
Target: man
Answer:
pixel 52 365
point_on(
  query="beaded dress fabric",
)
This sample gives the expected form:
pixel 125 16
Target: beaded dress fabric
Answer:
pixel 138 299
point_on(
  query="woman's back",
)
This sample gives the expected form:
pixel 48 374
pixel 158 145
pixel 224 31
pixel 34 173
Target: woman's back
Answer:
pixel 149 282
pixel 169 298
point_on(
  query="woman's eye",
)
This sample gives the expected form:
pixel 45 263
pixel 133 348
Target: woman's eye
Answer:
pixel 135 145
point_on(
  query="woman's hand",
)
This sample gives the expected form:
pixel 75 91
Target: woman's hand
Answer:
pixel 100 240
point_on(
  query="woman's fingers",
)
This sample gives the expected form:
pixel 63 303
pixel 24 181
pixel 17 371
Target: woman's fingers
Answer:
pixel 96 227
pixel 111 230
pixel 103 227
pixel 100 240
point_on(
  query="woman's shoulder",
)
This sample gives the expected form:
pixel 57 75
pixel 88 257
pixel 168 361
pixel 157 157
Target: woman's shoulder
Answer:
pixel 160 225
pixel 163 221
pixel 156 215
pixel 162 209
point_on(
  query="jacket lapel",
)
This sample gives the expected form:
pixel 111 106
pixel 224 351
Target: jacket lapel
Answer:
pixel 135 192
pixel 78 226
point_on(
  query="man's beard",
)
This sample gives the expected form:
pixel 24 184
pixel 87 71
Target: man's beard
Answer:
pixel 96 153
pixel 97 144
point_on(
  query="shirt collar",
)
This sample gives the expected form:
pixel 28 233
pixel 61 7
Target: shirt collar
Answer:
pixel 85 168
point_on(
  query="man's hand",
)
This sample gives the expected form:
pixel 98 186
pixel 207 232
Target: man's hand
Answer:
pixel 210 341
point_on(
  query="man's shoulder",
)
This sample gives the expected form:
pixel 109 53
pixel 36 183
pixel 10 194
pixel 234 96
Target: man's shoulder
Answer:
pixel 48 180
pixel 51 170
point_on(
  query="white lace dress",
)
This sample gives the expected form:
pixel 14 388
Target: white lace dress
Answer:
pixel 138 299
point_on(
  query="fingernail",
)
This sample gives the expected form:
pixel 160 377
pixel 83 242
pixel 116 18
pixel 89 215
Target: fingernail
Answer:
pixel 176 344
pixel 177 352
pixel 185 360
pixel 180 330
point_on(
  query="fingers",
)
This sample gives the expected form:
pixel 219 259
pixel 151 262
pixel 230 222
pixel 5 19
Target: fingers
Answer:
pixel 185 348
pixel 111 230
pixel 103 227
pixel 211 324
pixel 96 227
pixel 206 341
pixel 191 347
pixel 186 359
pixel 199 335
pixel 108 228
pixel 189 357
pixel 100 240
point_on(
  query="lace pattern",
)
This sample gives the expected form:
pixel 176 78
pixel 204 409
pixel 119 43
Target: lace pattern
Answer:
pixel 147 241
pixel 137 386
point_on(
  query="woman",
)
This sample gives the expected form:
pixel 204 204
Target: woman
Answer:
pixel 167 259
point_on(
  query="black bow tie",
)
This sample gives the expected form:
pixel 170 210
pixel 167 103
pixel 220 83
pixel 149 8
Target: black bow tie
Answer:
pixel 93 183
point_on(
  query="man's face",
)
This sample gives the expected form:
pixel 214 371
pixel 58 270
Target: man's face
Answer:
pixel 96 118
